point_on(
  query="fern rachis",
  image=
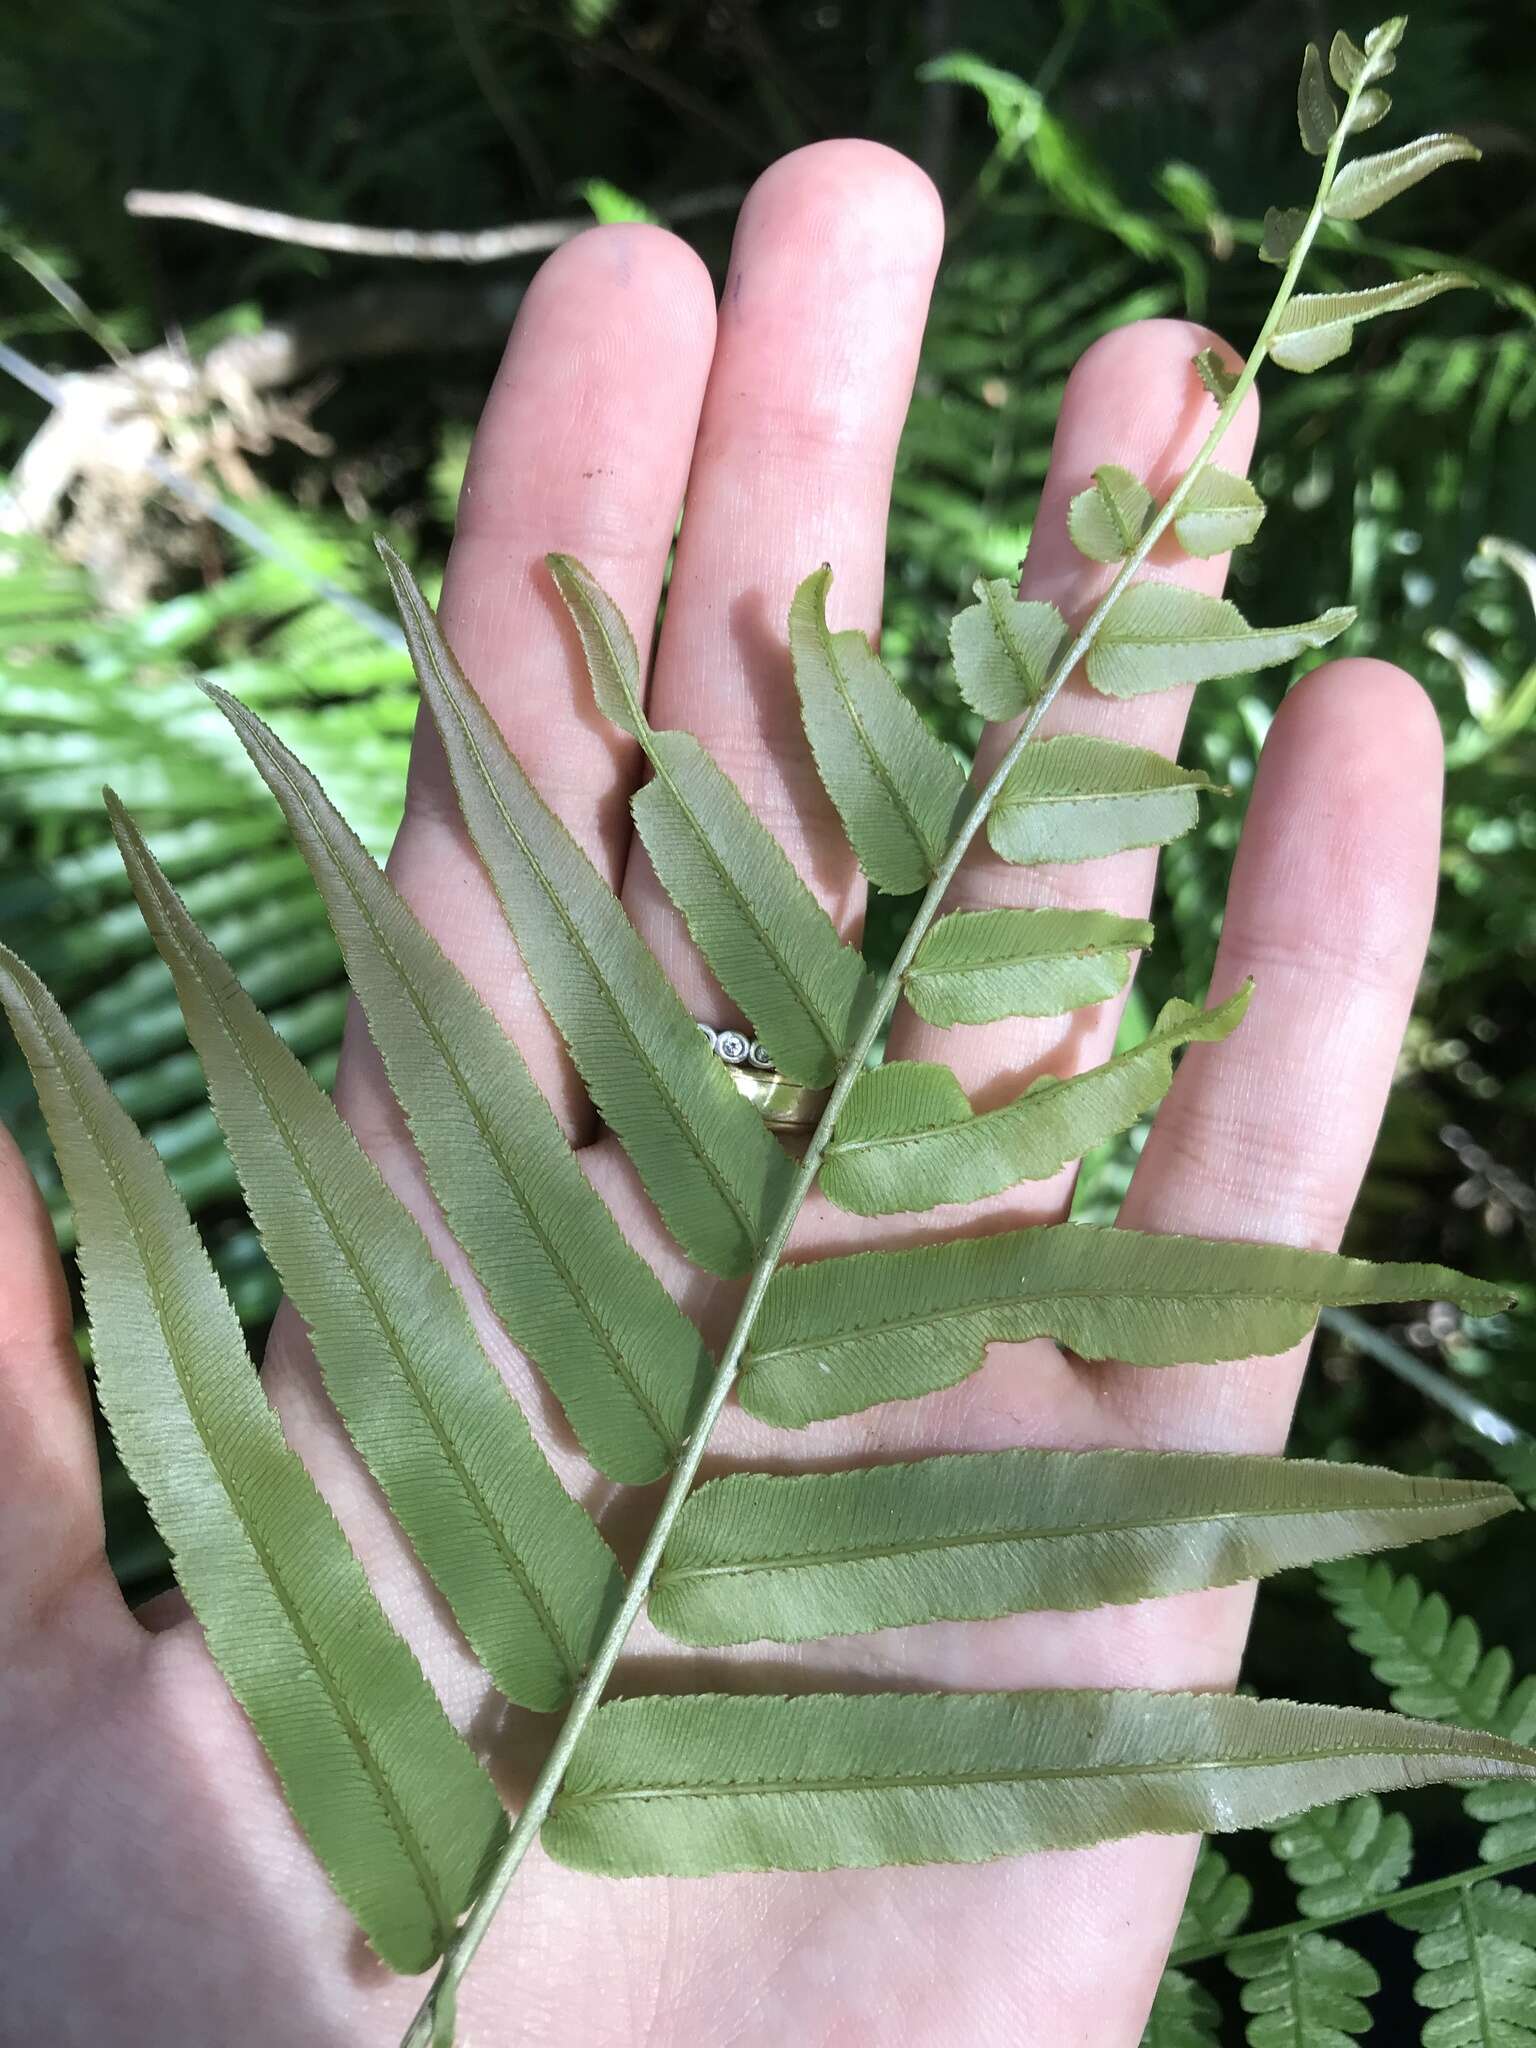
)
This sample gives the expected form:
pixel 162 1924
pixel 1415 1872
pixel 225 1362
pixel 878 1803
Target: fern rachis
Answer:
pixel 701 1783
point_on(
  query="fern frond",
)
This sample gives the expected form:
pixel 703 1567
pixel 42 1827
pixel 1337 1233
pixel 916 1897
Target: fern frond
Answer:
pixel 1433 1664
pixel 1476 1952
pixel 1183 2015
pixel 1305 1991
pixel 691 1785
pixel 1342 1858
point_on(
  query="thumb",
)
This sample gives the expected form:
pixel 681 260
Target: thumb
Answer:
pixel 50 1502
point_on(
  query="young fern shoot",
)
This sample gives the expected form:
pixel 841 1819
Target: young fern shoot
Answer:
pixel 702 1784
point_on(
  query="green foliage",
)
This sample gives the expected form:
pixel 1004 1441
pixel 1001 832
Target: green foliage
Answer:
pixel 1004 649
pixel 1477 1952
pixel 1218 1902
pixel 392 1802
pixel 1433 1664
pixel 704 1153
pixel 1158 636
pixel 1183 2015
pixel 1318 327
pixel 1370 181
pixel 692 1785
pixel 624 1362
pixel 1107 521
pixel 629 1375
pixel 972 1537
pixel 1076 798
pixel 1220 512
pixel 908 1138
pixel 1305 1991
pixel 1344 1858
pixel 978 966
pixel 1316 114
pixel 524 1570
pixel 895 786
pixel 90 697
pixel 838 1335
pixel 769 943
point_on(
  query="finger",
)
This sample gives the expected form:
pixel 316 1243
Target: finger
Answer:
pixel 1266 1138
pixel 1134 399
pixel 820 325
pixel 583 446
pixel 50 1505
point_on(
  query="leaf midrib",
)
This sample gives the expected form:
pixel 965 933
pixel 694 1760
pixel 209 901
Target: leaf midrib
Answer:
pixel 548 1244
pixel 973 1539
pixel 1003 626
pixel 344 1241
pixel 1007 1114
pixel 373 1769
pixel 993 963
pixel 979 1307
pixel 903 1781
pixel 1029 801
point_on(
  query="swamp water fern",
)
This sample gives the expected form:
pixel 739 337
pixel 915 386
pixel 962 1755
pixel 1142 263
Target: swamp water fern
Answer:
pixel 401 1813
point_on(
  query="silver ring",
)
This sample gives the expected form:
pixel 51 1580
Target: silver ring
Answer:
pixel 783 1104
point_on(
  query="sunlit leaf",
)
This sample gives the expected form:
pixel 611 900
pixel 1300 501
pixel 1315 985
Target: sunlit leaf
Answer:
pixel 841 1334
pixel 1004 649
pixel 692 1784
pixel 768 942
pixel 624 1362
pixel 1107 520
pixel 976 966
pixel 908 1139
pixel 1076 798
pixel 1317 327
pixel 1370 181
pixel 391 1800
pixel 704 1153
pixel 1158 636
pixel 970 1537
pixel 1316 114
pixel 522 1566
pixel 896 786
pixel 1221 512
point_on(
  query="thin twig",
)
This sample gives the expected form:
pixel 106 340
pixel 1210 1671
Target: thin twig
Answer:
pixel 414 245
pixel 1484 1421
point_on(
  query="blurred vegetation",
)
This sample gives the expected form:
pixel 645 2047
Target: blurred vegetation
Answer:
pixel 1101 162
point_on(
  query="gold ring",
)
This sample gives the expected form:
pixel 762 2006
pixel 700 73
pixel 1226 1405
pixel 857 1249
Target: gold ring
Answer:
pixel 783 1105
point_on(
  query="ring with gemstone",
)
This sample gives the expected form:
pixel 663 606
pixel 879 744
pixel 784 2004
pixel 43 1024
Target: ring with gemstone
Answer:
pixel 783 1105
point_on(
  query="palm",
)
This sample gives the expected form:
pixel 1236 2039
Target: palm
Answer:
pixel 157 1885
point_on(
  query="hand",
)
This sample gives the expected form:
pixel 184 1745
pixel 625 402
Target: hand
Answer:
pixel 154 1889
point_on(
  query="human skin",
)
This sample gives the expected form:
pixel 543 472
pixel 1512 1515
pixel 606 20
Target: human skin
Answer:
pixel 152 1887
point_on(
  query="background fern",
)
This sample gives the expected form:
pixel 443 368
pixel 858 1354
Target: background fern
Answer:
pixel 1402 465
